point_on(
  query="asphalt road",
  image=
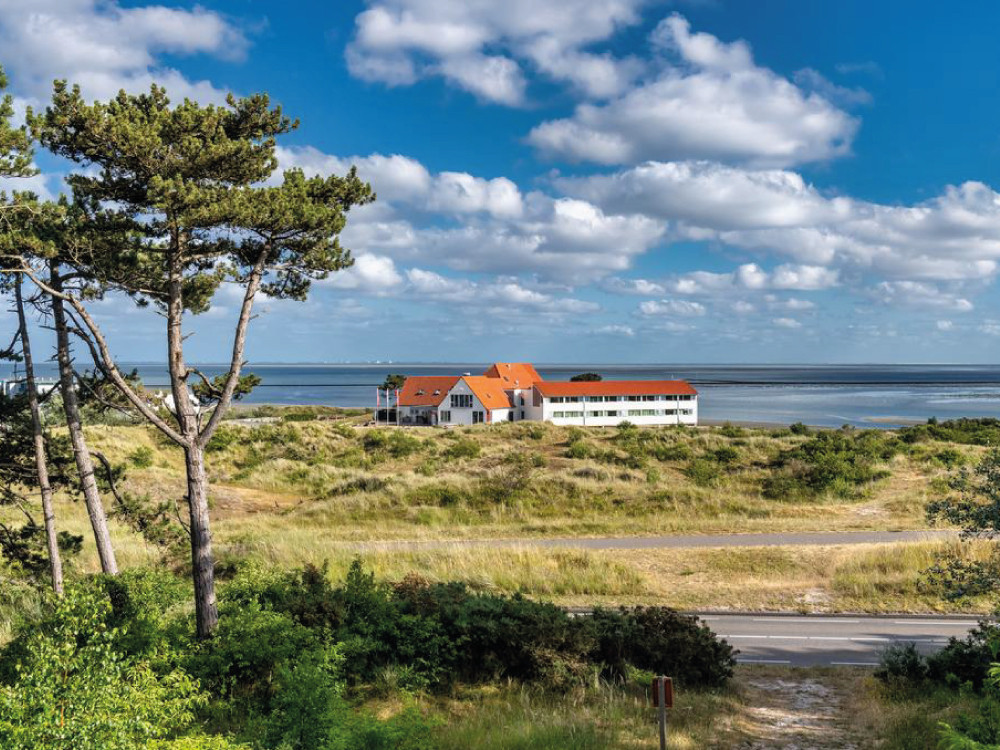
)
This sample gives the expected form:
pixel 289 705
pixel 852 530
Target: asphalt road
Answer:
pixel 685 541
pixel 832 640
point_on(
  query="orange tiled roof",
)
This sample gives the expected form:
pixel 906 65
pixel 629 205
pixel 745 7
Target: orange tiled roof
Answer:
pixel 489 391
pixel 426 390
pixel 514 374
pixel 550 388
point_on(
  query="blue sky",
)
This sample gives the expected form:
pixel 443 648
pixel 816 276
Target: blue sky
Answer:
pixel 593 180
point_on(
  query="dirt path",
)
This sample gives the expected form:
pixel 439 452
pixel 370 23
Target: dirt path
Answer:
pixel 804 709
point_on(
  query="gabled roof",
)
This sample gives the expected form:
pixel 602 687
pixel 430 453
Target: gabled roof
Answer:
pixel 426 390
pixel 550 388
pixel 489 391
pixel 514 374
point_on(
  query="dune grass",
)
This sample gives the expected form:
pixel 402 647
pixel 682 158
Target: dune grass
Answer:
pixel 353 483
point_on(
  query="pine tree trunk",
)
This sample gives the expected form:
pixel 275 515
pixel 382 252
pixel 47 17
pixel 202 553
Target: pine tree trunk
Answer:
pixel 71 407
pixel 41 462
pixel 202 560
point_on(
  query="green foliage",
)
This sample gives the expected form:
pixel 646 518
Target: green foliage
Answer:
pixel 966 431
pixel 703 472
pixel 663 641
pixel 395 443
pixel 840 462
pixel 141 457
pixel 973 503
pixel 586 377
pixel 463 447
pixel 393 382
pixel 209 391
pixel 507 478
pixel 980 731
pixel 76 688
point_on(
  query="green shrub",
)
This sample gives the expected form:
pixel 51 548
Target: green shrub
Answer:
pixel 902 666
pixel 967 431
pixel 661 640
pixel 394 443
pixel 463 447
pixel 76 689
pixel 838 462
pixel 141 457
pixel 703 472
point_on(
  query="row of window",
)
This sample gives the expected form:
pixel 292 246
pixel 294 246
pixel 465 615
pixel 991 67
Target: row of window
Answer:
pixel 461 401
pixel 624 413
pixel 602 399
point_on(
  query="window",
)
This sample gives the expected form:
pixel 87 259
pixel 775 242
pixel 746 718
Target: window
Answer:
pixel 445 416
pixel 522 415
pixel 522 399
pixel 567 414
pixel 510 416
pixel 635 398
pixel 478 417
pixel 461 401
pixel 556 399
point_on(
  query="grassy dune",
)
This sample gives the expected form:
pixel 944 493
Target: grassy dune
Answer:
pixel 290 492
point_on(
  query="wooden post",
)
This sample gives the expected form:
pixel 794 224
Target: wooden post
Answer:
pixel 661 689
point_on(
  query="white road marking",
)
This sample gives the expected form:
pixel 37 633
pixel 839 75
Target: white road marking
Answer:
pixel 818 620
pixel 936 623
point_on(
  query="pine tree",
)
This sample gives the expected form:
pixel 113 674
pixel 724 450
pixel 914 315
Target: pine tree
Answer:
pixel 190 181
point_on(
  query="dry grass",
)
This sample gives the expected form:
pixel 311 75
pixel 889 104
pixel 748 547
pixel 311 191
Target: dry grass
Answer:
pixel 319 477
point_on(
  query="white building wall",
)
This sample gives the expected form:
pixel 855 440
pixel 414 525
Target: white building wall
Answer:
pixel 460 416
pixel 590 412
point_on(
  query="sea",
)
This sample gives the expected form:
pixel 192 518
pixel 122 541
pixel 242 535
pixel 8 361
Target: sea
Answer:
pixel 823 395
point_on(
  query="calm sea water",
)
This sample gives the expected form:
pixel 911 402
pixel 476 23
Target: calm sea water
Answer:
pixel 829 395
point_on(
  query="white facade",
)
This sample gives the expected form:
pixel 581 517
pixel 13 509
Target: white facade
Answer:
pixel 608 411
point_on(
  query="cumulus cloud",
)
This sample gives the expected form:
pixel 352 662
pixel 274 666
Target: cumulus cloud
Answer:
pixel 709 101
pixel 786 323
pixel 484 47
pixel 370 273
pixel 615 330
pixel 508 295
pixel 920 295
pixel 751 277
pixel 104 46
pixel 952 237
pixel 475 224
pixel 679 307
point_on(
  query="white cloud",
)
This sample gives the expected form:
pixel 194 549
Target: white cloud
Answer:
pixel 370 273
pixel 944 325
pixel 952 237
pixel 506 295
pixel 474 224
pixel 482 46
pixel 105 47
pixel 787 323
pixel 401 179
pixel 710 101
pixel 751 277
pixel 681 307
pixel 920 295
pixel 615 330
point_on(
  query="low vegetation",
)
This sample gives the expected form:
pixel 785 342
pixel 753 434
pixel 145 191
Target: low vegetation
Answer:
pixel 300 663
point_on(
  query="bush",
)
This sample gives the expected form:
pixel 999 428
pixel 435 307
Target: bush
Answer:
pixel 661 640
pixel 76 689
pixel 836 461
pixel 141 457
pixel 967 431
pixel 394 443
pixel 902 666
pixel 463 447
pixel 703 472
